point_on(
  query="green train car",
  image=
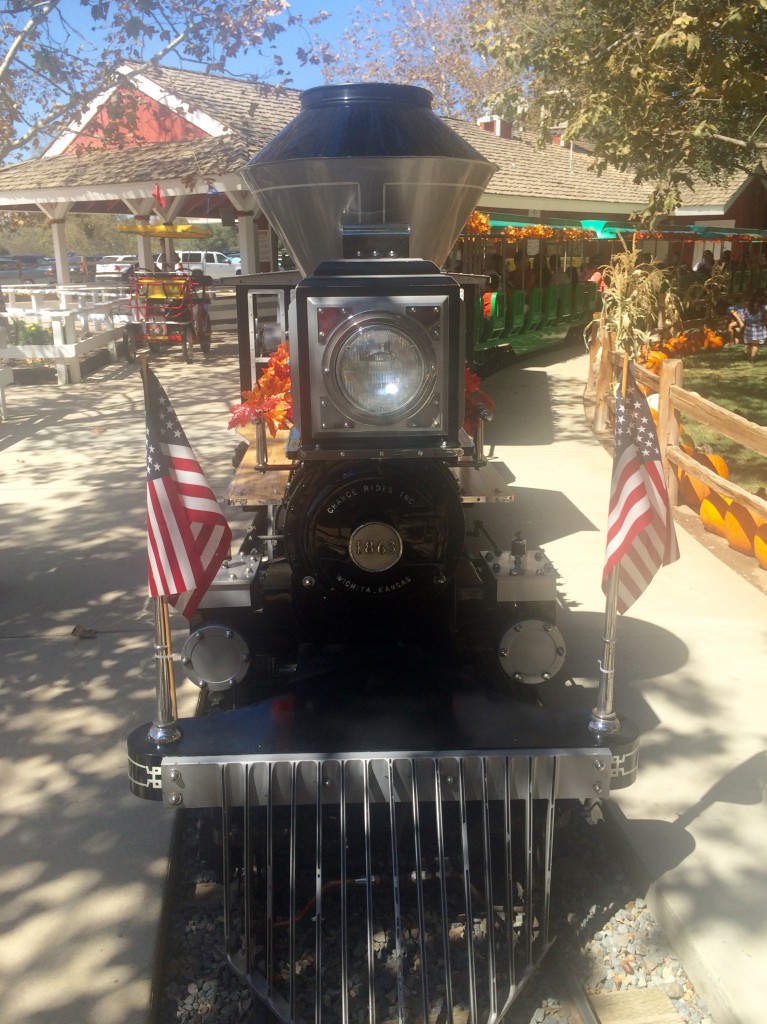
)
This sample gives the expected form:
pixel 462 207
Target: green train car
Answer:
pixel 518 327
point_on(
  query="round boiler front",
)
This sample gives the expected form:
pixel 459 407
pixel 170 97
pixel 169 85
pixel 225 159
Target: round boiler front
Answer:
pixel 373 530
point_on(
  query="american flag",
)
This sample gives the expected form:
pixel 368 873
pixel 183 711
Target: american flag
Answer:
pixel 640 529
pixel 188 535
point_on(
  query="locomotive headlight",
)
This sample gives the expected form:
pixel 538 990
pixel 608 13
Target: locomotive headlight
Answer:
pixel 379 368
pixel 376 350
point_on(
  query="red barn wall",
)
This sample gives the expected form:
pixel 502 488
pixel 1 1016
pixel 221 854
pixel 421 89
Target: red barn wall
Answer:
pixel 131 119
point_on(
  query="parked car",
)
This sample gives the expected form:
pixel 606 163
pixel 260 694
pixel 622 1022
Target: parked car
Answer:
pixel 214 265
pixel 116 268
pixel 235 257
pixel 75 267
pixel 22 270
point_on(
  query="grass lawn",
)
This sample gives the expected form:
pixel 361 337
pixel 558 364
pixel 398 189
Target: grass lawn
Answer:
pixel 723 376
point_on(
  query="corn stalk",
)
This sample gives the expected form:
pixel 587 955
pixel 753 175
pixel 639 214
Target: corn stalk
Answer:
pixel 639 300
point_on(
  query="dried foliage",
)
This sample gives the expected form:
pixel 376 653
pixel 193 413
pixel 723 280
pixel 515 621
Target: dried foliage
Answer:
pixel 420 42
pixel 702 298
pixel 638 299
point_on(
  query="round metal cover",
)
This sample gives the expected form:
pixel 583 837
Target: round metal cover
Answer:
pixel 531 651
pixel 375 547
pixel 215 656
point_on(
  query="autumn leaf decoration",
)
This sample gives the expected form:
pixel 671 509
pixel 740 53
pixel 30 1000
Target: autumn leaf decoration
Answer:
pixel 270 400
pixel 477 224
pixel 475 401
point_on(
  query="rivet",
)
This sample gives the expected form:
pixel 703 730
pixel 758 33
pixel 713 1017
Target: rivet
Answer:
pixel 175 799
pixel 597 787
pixel 599 764
pixel 175 775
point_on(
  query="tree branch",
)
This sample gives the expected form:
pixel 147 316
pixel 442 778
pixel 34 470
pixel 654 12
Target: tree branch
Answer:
pixel 40 15
pixel 61 110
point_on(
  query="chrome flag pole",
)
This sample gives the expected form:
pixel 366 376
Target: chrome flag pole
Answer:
pixel 640 530
pixel 164 728
pixel 604 720
pixel 188 537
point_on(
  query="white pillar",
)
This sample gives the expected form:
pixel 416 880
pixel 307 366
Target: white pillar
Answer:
pixel 142 210
pixel 56 214
pixel 248 239
pixel 60 251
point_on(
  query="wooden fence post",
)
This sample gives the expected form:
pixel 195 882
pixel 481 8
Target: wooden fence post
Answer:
pixel 671 371
pixel 604 380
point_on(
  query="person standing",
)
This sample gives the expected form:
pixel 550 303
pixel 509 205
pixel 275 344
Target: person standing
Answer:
pixel 753 323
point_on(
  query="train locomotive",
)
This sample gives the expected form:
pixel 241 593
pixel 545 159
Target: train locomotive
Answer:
pixel 379 776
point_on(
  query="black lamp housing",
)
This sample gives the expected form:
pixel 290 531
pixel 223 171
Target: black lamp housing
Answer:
pixel 379 359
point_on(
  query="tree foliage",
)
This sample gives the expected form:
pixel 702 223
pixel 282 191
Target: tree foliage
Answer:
pixel 674 90
pixel 56 56
pixel 419 42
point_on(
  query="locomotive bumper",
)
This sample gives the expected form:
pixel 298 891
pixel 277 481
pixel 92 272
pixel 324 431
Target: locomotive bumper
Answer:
pixel 467 724
pixel 386 859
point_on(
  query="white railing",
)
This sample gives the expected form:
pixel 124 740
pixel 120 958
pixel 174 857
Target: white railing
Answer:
pixel 82 319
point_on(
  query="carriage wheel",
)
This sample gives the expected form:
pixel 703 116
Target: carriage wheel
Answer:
pixel 187 343
pixel 129 345
pixel 204 331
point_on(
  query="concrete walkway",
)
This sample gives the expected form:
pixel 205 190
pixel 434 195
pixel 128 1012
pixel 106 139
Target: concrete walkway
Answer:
pixel 691 672
pixel 82 862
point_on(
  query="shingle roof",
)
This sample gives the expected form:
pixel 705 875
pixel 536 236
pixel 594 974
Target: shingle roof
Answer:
pixel 251 114
pixel 526 169
pixel 714 194
pixel 240 106
pixel 205 158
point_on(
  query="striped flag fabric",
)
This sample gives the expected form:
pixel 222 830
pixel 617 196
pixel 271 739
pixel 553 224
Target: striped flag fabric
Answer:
pixel 640 528
pixel 188 535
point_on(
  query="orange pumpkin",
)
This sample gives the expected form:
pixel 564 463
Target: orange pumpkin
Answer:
pixel 760 544
pixel 713 510
pixel 719 465
pixel 739 528
pixel 692 490
pixel 654 361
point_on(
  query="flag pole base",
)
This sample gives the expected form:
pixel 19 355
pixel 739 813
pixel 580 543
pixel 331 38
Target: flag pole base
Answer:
pixel 163 734
pixel 604 725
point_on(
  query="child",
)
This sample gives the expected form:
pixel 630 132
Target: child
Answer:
pixel 752 319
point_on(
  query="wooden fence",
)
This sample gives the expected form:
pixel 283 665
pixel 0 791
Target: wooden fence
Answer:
pixel 673 401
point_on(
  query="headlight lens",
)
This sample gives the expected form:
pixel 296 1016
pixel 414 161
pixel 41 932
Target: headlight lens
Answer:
pixel 380 367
